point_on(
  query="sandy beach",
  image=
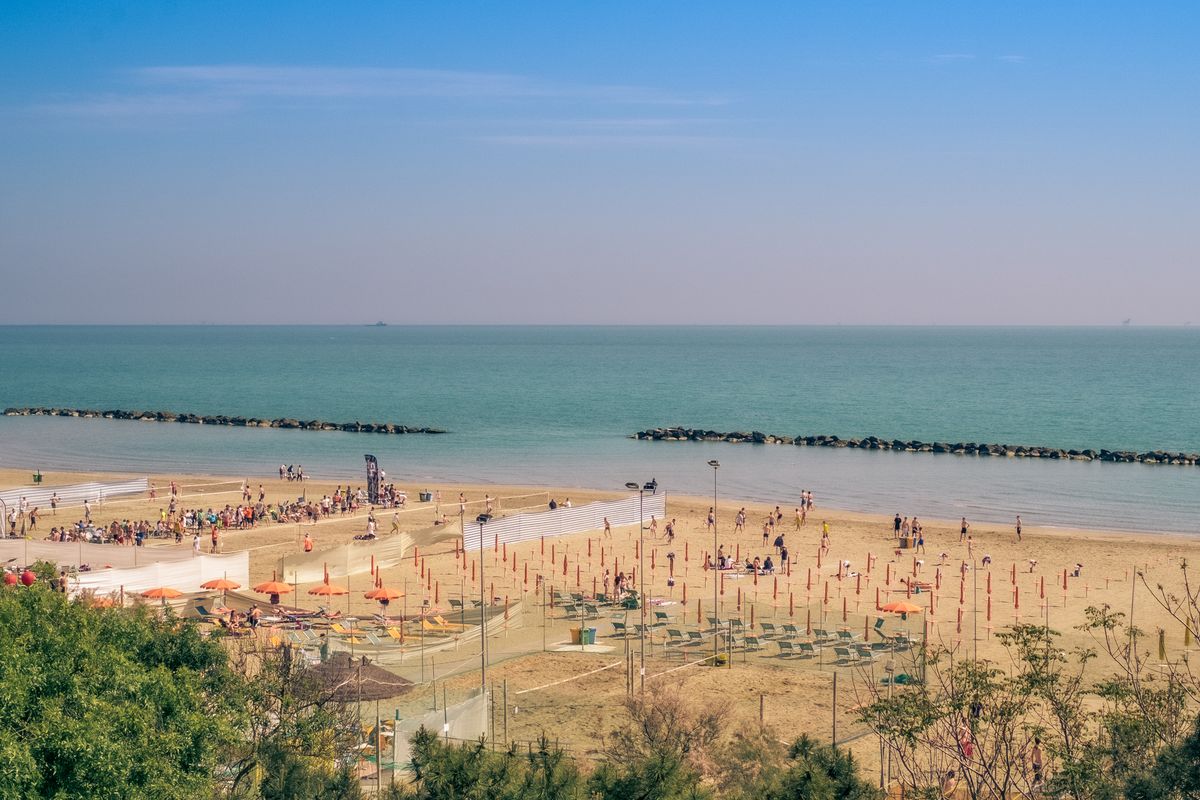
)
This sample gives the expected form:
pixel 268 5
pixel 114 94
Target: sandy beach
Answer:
pixel 795 694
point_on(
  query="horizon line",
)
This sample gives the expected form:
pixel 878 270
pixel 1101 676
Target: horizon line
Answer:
pixel 1013 326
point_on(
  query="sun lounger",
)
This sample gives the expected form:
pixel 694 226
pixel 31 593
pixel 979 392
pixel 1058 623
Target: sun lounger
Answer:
pixel 845 655
pixel 208 616
pixel 768 629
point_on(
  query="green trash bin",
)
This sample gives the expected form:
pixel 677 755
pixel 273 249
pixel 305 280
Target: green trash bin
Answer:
pixel 589 636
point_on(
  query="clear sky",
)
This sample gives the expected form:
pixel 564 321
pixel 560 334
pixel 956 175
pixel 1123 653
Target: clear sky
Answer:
pixel 834 162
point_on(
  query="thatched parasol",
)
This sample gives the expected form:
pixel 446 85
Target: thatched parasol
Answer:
pixel 354 679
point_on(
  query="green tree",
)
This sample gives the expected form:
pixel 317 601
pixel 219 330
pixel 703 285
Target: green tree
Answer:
pixel 299 739
pixel 443 771
pixel 108 703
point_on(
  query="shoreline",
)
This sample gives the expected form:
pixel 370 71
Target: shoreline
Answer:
pixel 837 513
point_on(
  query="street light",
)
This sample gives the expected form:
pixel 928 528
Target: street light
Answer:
pixel 641 490
pixel 482 519
pixel 716 608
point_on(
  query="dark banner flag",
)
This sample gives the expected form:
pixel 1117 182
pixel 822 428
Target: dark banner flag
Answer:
pixel 372 479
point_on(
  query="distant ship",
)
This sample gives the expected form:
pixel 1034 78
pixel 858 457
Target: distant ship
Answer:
pixel 379 325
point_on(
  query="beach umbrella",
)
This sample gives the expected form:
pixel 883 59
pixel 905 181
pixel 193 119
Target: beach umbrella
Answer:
pixel 901 607
pixel 351 679
pixel 223 585
pixel 383 593
pixel 162 592
pixel 273 586
pixel 329 590
pixel 220 584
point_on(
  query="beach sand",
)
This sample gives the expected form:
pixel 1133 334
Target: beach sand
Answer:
pixel 796 695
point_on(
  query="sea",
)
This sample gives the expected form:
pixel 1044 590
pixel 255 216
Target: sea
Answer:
pixel 555 406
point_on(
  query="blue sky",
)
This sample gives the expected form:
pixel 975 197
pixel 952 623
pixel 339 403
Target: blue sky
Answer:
pixel 923 163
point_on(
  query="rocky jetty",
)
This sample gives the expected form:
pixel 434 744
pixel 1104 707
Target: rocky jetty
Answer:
pixel 237 422
pixel 915 446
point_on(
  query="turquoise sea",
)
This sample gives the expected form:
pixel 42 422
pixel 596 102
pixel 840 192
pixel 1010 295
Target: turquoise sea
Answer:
pixel 554 405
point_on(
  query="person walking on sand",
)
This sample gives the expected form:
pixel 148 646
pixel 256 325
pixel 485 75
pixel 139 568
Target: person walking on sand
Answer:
pixel 712 519
pixel 671 531
pixel 196 543
pixel 896 523
pixel 739 522
pixel 1018 527
pixel 607 535
pixel 799 519
pixel 962 531
pixel 766 531
pixel 308 542
pixel 396 522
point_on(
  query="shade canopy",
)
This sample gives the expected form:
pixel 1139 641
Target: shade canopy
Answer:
pixel 382 592
pixel 162 592
pixel 352 679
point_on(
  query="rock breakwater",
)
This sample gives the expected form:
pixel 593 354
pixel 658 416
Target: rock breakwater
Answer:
pixel 286 423
pixel 915 446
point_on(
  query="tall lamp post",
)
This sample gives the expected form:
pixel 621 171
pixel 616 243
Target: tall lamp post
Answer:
pixel 716 608
pixel 482 519
pixel 641 490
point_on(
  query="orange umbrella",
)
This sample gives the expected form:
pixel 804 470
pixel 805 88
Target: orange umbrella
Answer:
pixel 273 586
pixel 329 590
pixel 222 584
pixel 382 592
pixel 901 607
pixel 163 592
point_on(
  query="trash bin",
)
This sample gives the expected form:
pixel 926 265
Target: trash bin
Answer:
pixel 590 638
pixel 576 635
pixel 426 496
